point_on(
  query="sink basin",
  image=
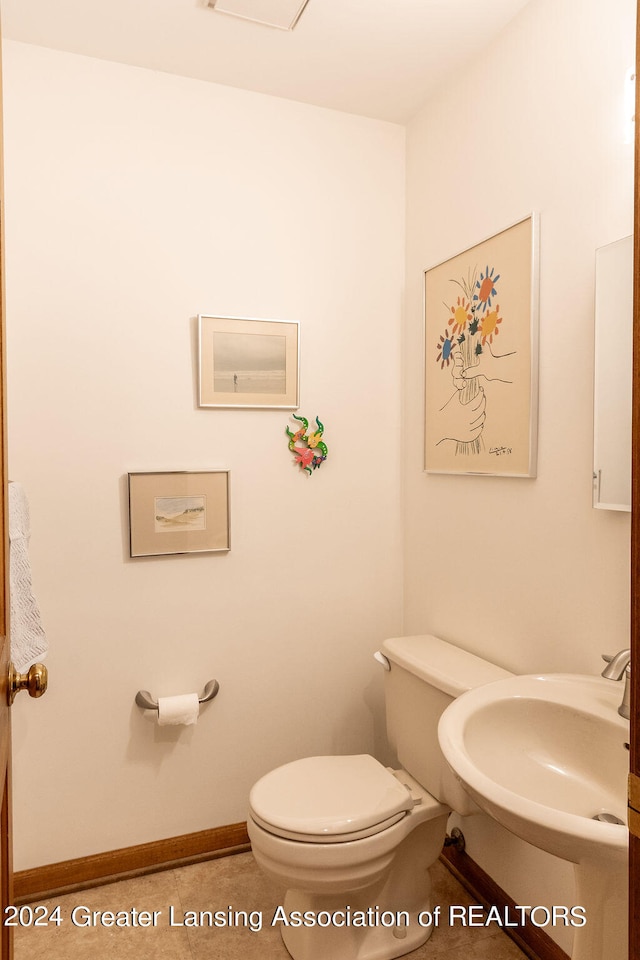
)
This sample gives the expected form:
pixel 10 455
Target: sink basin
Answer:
pixel 545 755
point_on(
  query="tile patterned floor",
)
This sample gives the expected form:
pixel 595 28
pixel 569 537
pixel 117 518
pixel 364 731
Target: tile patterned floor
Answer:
pixel 215 885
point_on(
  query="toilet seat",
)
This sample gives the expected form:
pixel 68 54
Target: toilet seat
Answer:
pixel 329 799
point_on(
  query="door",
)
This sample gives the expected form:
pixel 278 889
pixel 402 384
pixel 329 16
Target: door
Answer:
pixel 634 779
pixel 6 943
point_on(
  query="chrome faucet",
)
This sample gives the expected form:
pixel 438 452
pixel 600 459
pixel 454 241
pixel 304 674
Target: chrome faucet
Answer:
pixel 616 668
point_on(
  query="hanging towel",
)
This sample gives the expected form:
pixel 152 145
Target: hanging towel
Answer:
pixel 28 639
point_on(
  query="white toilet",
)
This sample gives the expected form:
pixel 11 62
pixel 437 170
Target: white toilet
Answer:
pixel 351 840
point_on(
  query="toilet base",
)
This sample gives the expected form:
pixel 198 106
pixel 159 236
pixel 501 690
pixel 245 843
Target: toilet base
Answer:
pixel 382 921
pixel 375 942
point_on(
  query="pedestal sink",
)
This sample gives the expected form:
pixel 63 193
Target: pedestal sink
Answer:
pixel 544 756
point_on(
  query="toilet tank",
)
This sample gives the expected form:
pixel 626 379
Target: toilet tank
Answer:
pixel 426 674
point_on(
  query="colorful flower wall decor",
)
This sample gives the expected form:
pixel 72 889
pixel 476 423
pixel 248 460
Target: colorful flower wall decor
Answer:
pixel 309 449
pixel 481 357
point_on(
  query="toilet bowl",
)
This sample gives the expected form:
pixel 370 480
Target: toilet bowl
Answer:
pixel 351 840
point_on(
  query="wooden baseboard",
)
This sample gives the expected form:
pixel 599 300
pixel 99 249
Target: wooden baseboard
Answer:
pixel 532 940
pixel 68 875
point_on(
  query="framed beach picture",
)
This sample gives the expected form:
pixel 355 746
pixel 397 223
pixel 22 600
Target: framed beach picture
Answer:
pixel 481 357
pixel 178 512
pixel 248 363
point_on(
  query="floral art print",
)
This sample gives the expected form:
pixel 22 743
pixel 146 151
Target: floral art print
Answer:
pixel 481 358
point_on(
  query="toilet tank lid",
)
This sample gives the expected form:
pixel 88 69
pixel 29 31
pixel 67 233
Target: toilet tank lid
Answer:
pixel 448 668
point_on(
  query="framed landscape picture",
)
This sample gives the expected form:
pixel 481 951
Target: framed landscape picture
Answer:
pixel 178 512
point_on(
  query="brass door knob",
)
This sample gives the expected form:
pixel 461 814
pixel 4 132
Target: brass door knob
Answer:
pixel 34 681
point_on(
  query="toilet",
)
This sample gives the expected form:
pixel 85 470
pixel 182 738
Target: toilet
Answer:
pixel 350 840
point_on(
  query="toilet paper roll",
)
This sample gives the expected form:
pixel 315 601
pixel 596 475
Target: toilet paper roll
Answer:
pixel 181 709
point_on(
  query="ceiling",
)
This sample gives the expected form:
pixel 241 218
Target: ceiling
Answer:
pixel 377 58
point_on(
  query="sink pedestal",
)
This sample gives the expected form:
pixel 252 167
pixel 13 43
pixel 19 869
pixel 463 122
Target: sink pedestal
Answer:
pixel 602 889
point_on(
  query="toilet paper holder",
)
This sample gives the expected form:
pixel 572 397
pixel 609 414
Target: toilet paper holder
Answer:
pixel 146 701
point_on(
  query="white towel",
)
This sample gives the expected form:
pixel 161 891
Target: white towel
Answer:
pixel 28 639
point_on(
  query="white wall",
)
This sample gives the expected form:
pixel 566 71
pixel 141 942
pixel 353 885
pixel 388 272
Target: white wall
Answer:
pixel 533 124
pixel 523 571
pixel 134 201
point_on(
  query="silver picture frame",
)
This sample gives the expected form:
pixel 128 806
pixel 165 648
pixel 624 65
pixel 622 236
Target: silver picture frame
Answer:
pixel 480 374
pixel 178 511
pixel 248 362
